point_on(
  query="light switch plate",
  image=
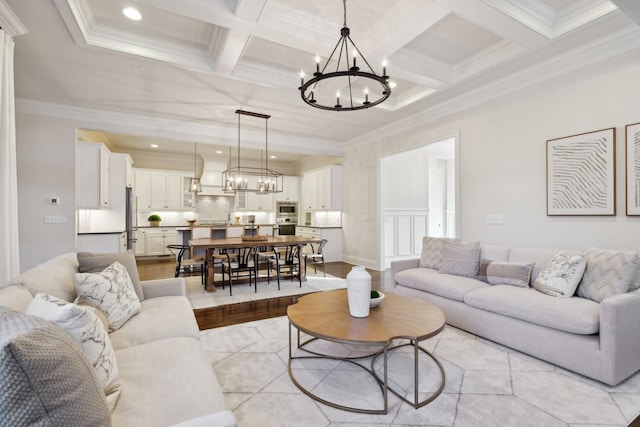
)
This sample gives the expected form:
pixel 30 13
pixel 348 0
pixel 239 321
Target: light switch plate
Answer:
pixel 55 219
pixel 494 219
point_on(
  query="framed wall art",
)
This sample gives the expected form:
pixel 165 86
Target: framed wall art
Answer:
pixel 632 155
pixel 581 174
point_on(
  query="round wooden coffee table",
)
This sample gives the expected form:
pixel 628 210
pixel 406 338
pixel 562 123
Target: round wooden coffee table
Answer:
pixel 325 316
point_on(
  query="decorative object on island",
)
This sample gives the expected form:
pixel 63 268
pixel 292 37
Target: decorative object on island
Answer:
pixel 352 79
pixel 192 221
pixel 581 173
pixel 194 183
pixel 358 291
pixel 376 299
pixel 154 220
pixel 246 178
pixel 632 142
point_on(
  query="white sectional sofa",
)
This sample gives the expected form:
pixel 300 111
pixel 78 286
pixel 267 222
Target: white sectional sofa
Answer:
pixel 164 373
pixel 600 340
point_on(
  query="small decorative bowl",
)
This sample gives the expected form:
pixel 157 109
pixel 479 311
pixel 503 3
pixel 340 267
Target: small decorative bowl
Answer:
pixel 192 221
pixel 374 302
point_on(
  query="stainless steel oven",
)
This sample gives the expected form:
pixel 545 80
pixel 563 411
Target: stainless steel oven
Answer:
pixel 286 229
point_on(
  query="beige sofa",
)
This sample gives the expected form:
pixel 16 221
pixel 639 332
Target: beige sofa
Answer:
pixel 598 340
pixel 165 375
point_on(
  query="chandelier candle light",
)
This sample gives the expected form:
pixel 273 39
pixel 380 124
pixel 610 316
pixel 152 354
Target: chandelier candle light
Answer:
pixel 310 90
pixel 194 183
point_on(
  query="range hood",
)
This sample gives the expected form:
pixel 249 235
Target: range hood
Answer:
pixel 211 179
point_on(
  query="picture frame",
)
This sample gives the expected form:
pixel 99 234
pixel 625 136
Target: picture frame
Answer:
pixel 581 172
pixel 632 169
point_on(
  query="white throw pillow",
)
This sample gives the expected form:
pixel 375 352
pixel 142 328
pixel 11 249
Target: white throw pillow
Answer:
pixel 111 291
pixel 608 273
pixel 561 276
pixel 87 330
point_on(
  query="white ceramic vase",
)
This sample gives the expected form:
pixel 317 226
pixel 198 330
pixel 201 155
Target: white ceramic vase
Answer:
pixel 359 291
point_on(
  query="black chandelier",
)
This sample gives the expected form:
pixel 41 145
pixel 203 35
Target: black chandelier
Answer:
pixel 309 89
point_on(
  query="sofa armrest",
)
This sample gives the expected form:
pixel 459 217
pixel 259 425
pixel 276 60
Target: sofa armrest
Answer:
pixel 619 319
pixel 217 419
pixel 403 264
pixel 174 286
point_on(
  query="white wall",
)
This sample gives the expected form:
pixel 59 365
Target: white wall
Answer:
pixel 502 159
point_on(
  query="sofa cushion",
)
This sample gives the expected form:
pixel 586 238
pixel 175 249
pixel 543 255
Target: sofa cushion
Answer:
pixel 574 315
pixel 508 273
pixel 460 259
pixel 166 382
pixel 46 378
pixel 431 256
pixel 88 332
pixel 16 298
pixel 93 263
pixel 444 285
pixel 111 291
pixel 54 277
pixel 159 318
pixel 608 273
pixel 494 252
pixel 561 276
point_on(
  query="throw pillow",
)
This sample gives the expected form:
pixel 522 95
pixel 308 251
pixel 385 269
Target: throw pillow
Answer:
pixel 15 297
pixel 46 378
pixel 86 329
pixel 431 256
pixel 482 270
pixel 608 273
pixel 111 291
pixel 509 273
pixel 94 263
pixel 561 275
pixel 460 259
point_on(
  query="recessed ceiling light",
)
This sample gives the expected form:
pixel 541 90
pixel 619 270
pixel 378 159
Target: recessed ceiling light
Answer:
pixel 154 145
pixel 132 13
pixel 218 152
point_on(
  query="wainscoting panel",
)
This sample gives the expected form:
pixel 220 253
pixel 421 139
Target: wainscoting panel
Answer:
pixel 403 233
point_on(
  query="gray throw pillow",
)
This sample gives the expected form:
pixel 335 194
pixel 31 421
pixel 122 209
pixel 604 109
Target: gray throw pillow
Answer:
pixel 46 378
pixel 95 263
pixel 460 259
pixel 431 256
pixel 608 273
pixel 509 273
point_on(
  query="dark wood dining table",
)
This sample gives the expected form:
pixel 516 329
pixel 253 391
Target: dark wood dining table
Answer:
pixel 211 245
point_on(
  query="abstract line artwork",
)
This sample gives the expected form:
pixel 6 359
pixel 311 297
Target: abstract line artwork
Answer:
pixel 633 168
pixel 581 174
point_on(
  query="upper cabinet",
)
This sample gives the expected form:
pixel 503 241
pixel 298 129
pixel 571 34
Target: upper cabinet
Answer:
pixel 250 201
pixel 290 190
pixel 322 189
pixel 159 189
pixel 93 175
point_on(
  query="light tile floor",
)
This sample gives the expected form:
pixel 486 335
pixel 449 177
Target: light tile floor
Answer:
pixel 486 384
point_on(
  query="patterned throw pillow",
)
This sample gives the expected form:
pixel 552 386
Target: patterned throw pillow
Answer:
pixel 89 262
pixel 460 259
pixel 87 330
pixel 111 291
pixel 561 275
pixel 46 378
pixel 505 273
pixel 431 256
pixel 608 273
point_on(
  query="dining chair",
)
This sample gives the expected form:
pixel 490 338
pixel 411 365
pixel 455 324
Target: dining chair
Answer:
pixel 316 256
pixel 188 265
pixel 223 255
pixel 288 261
pixel 242 261
pixel 265 254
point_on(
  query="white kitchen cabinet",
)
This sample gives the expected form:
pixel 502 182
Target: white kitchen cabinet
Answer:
pixel 93 175
pixel 156 241
pixel 101 242
pixel 139 242
pixel 142 188
pixel 166 190
pixel 333 249
pixel 250 201
pixel 188 198
pixel 290 190
pixel 322 189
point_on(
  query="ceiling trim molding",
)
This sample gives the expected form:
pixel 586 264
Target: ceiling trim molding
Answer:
pixel 166 127
pixel 9 21
pixel 613 45
pixel 493 56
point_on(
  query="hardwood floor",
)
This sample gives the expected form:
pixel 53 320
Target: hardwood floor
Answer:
pixel 256 310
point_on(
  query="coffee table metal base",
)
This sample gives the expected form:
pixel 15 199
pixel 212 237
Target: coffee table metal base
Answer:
pixel 383 382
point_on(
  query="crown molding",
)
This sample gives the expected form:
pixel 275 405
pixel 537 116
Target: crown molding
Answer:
pixel 9 21
pixel 172 128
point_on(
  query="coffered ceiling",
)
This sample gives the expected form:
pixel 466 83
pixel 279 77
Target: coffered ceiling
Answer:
pixel 182 71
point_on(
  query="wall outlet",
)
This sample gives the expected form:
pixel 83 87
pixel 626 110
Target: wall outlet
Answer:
pixel 494 219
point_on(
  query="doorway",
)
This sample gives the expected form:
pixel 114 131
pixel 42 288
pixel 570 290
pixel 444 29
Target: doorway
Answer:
pixel 418 198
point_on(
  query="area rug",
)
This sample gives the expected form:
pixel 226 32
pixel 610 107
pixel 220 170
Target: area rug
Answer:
pixel 486 385
pixel 242 292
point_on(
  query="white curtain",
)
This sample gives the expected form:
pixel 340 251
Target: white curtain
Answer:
pixel 9 254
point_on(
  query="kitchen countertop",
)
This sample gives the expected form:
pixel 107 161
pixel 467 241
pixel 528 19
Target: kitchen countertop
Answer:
pixel 319 226
pixel 100 232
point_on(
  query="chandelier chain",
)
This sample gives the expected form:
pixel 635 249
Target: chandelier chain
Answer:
pixel 344 2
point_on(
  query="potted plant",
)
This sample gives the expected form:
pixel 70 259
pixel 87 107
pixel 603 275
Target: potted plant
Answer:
pixel 154 220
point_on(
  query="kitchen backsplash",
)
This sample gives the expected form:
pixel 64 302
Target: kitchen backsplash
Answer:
pixel 326 219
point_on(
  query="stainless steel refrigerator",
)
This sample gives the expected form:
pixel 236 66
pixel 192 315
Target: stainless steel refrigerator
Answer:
pixel 131 223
